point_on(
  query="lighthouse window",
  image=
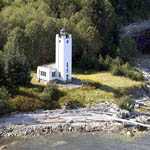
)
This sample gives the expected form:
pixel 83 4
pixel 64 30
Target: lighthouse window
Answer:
pixel 59 41
pixel 67 64
pixel 67 41
pixel 53 74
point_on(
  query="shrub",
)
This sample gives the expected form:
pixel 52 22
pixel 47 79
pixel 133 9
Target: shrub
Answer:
pixel 70 103
pixel 125 102
pixel 25 104
pixel 101 63
pixel 117 62
pixel 5 104
pixel 128 71
pixel 28 92
pixel 50 96
pixel 108 62
pixel 116 71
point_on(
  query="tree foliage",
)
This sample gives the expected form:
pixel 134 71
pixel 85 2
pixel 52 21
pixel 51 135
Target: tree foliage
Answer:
pixel 127 49
pixel 17 68
pixel 50 96
pixel 94 25
pixel 5 105
pixel 2 72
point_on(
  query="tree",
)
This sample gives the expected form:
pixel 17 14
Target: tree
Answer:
pixel 131 10
pixel 102 16
pixel 16 65
pixel 127 48
pixel 33 32
pixel 5 106
pixel 88 61
pixel 1 4
pixel 2 72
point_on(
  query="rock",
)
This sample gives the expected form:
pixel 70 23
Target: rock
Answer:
pixel 130 133
pixel 123 114
pixel 136 106
pixel 3 147
pixel 148 119
pixel 70 121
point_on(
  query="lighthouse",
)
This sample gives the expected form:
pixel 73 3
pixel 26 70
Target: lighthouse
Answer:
pixel 62 68
pixel 64 55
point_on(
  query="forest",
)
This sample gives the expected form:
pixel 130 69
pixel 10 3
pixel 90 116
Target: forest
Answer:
pixel 28 29
pixel 94 24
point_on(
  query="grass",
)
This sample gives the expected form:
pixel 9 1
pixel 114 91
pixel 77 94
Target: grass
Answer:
pixel 111 88
pixel 107 88
pixel 105 78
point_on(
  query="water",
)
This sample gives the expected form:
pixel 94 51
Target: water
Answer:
pixel 88 141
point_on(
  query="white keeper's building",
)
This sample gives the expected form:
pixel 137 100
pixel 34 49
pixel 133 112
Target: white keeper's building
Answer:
pixel 62 68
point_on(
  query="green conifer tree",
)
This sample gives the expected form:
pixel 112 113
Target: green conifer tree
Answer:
pixel 2 73
pixel 16 65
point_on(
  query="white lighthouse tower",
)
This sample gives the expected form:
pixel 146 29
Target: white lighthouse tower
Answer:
pixel 62 68
pixel 64 55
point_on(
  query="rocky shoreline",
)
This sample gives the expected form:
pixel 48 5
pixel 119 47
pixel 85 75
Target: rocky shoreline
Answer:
pixel 106 117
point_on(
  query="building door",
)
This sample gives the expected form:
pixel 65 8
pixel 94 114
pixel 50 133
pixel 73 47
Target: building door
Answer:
pixel 67 77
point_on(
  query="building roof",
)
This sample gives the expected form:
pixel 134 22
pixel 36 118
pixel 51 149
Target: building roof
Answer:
pixel 50 66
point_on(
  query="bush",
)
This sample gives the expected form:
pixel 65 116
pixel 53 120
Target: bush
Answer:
pixel 108 62
pixel 28 92
pixel 5 104
pixel 101 62
pixel 70 103
pixel 117 62
pixel 125 102
pixel 128 71
pixel 50 96
pixel 117 71
pixel 25 104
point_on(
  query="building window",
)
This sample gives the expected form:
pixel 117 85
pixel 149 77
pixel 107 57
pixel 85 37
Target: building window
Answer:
pixel 53 74
pixel 67 64
pixel 67 70
pixel 67 41
pixel 43 73
pixel 59 74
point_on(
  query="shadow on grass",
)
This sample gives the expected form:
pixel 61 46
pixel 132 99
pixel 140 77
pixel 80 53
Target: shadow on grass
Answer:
pixel 86 72
pixel 102 87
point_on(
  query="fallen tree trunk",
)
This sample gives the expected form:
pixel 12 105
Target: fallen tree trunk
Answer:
pixel 130 122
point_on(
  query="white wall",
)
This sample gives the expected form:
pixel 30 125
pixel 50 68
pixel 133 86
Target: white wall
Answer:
pixel 64 56
pixel 48 71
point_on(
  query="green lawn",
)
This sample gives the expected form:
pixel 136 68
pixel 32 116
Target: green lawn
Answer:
pixel 110 88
